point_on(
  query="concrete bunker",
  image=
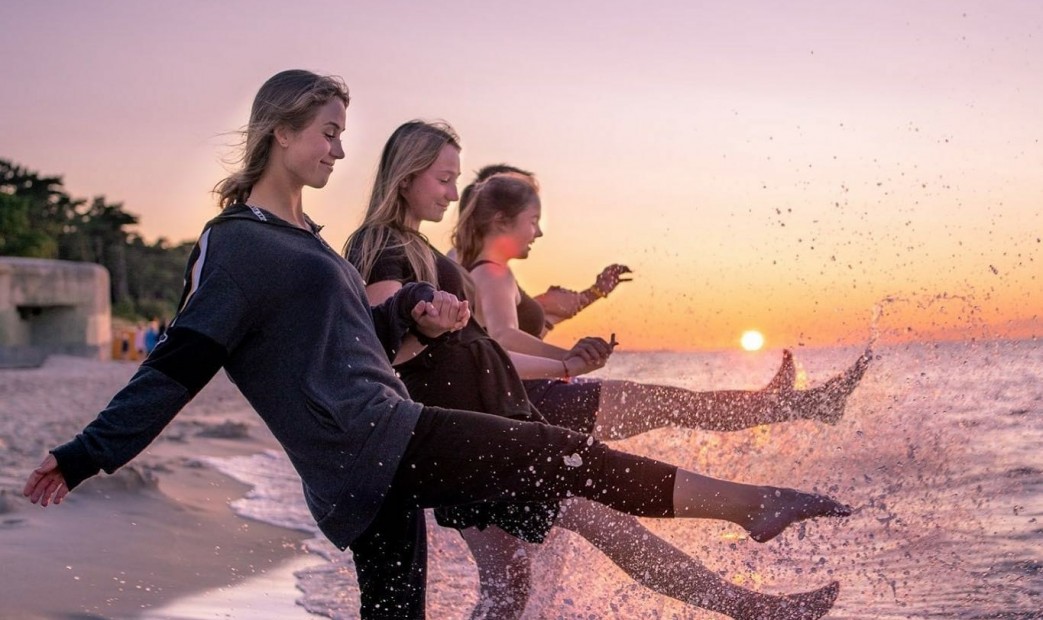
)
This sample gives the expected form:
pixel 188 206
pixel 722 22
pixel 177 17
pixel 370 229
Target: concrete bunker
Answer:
pixel 52 307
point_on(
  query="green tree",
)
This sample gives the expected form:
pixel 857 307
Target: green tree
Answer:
pixel 99 235
pixel 41 205
pixel 17 235
pixel 39 219
pixel 155 275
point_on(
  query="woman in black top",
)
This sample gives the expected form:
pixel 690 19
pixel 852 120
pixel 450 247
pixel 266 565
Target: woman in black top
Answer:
pixel 495 228
pixel 415 182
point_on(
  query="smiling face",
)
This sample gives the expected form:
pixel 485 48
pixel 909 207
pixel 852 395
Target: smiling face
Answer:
pixel 429 192
pixel 516 236
pixel 309 154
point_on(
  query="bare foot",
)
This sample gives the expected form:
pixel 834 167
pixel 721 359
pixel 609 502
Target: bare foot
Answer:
pixel 780 508
pixel 828 401
pixel 786 375
pixel 802 606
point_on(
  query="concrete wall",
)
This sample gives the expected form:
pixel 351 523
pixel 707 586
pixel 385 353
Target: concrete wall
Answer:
pixel 52 306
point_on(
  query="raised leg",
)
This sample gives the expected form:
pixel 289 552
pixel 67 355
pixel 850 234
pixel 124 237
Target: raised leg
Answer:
pixel 663 568
pixel 458 457
pixel 764 512
pixel 627 408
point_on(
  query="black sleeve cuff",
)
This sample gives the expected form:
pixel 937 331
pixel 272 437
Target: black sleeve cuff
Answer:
pixel 75 463
pixel 394 318
pixel 410 295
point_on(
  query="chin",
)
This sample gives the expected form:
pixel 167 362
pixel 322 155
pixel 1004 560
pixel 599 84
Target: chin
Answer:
pixel 319 181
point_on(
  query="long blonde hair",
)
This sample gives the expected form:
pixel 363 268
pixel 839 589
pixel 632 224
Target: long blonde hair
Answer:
pixel 288 99
pixel 410 150
pixel 496 200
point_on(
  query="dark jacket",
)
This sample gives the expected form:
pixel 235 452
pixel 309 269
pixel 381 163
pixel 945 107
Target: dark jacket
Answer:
pixel 288 320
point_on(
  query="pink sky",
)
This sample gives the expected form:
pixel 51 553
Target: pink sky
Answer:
pixel 780 166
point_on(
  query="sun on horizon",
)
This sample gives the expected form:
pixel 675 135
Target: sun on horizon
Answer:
pixel 752 340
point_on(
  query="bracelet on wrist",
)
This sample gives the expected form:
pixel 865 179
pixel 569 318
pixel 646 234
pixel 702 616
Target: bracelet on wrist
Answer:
pixel 567 376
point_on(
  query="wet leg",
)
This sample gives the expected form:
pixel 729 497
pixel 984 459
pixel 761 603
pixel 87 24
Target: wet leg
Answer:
pixel 627 408
pixel 764 512
pixel 504 573
pixel 663 568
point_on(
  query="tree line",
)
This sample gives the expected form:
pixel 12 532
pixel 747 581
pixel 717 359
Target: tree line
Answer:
pixel 39 219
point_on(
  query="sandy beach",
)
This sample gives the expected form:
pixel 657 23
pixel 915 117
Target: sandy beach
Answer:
pixel 159 530
pixel 938 452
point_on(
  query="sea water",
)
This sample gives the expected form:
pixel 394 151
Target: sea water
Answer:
pixel 940 452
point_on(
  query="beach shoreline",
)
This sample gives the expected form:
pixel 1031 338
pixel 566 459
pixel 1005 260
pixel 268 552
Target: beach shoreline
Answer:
pixel 160 530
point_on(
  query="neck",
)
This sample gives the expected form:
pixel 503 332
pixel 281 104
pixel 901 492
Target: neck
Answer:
pixel 496 251
pixel 410 222
pixel 280 200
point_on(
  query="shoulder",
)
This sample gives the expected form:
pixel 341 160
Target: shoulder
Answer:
pixel 369 244
pixel 494 276
pixel 493 271
pixel 240 243
pixel 382 250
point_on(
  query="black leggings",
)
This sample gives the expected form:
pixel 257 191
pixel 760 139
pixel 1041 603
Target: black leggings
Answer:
pixel 460 457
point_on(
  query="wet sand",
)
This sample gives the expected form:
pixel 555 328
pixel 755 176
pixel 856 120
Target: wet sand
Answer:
pixel 159 530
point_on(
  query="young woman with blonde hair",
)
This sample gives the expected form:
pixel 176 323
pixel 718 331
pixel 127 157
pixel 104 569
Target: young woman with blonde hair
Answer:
pixel 416 182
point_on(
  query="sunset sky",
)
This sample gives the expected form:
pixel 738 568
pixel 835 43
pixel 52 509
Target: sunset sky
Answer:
pixel 780 166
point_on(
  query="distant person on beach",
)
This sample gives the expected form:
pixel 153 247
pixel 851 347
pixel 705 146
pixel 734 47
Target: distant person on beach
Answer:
pixel 415 183
pixel 139 340
pixel 151 335
pixel 286 317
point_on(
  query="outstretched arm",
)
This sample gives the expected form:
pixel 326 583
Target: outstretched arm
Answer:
pixel 561 303
pixel 176 370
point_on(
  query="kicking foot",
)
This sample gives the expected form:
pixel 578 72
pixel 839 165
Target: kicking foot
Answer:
pixel 786 376
pixel 779 508
pixel 828 401
pixel 808 605
pixel 801 606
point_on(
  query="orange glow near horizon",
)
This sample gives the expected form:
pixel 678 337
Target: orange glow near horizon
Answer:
pixel 752 166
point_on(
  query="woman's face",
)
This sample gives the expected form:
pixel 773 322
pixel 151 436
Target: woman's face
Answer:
pixel 429 193
pixel 309 154
pixel 517 235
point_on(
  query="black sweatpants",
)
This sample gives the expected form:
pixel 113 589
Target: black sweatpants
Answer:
pixel 459 457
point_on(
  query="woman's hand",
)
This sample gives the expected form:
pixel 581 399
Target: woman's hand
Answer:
pixel 588 354
pixel 610 277
pixel 46 482
pixel 444 313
